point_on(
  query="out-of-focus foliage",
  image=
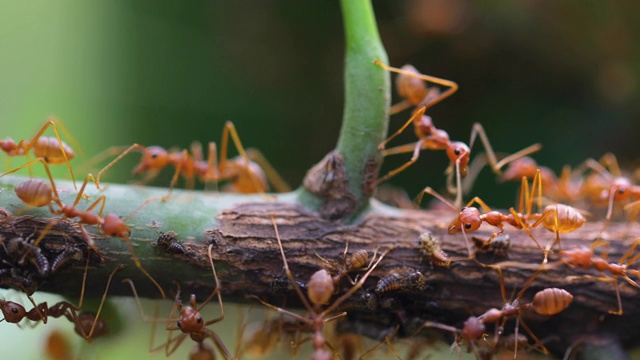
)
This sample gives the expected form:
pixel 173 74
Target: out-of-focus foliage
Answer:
pixel 164 73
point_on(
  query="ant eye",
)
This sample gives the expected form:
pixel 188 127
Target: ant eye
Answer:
pixel 467 226
pixel 463 209
pixel 198 319
pixel 621 191
pixel 180 324
pixel 154 155
pixel 15 310
pixel 457 151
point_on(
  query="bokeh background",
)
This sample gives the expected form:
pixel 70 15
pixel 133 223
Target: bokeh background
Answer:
pixel 563 73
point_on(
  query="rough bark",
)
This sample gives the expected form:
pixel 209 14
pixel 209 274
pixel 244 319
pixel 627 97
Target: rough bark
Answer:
pixel 248 261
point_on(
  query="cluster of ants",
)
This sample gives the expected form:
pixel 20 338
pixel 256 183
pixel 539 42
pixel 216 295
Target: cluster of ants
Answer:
pixel 596 182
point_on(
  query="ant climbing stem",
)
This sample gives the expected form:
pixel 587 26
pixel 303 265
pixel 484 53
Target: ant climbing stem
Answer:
pixel 247 173
pixel 432 138
pixel 320 289
pixel 50 150
pixel 416 93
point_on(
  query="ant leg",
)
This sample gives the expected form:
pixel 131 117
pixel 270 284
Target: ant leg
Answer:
pixel 430 191
pixel 230 130
pixel 609 161
pixel 607 218
pixel 27 145
pixel 290 276
pixel 452 86
pixel 399 107
pixel 495 165
pixel 416 115
pixel 279 184
pixel 543 349
pixel 102 301
pixel 416 147
pixel 356 287
pixel 215 291
pixel 635 210
pixel 525 227
pixel 136 261
pixel 212 173
pixel 114 161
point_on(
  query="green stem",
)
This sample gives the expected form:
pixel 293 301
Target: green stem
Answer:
pixel 367 97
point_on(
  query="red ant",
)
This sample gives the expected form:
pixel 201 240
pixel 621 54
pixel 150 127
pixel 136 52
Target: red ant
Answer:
pixel 616 188
pixel 549 301
pixel 87 325
pixel 410 85
pixel 432 138
pixel 50 150
pixel 191 323
pixel 558 218
pixel 38 193
pixel 320 288
pixel 584 258
pixel 244 175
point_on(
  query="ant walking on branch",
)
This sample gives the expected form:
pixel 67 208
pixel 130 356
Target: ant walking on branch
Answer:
pixel 320 288
pixel 247 173
pixel 38 193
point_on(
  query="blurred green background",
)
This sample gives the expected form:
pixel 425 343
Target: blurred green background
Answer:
pixel 564 73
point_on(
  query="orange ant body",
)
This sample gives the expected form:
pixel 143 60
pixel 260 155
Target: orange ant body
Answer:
pixel 469 219
pixel 244 175
pixel 558 218
pixel 584 258
pixel 50 150
pixel 88 325
pixel 432 138
pixel 549 301
pixel 37 192
pixel 320 288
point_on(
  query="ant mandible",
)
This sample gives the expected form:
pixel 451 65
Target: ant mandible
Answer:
pixel 432 138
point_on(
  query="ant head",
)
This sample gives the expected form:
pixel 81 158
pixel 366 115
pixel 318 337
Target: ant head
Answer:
pixel 622 188
pixel 153 158
pixel 472 329
pixel 320 287
pixel 524 166
pixel 458 153
pixel 190 320
pixel 13 312
pixel 114 226
pixel 410 87
pixel 468 220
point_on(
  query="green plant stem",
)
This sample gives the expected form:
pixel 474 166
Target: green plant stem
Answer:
pixel 367 97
